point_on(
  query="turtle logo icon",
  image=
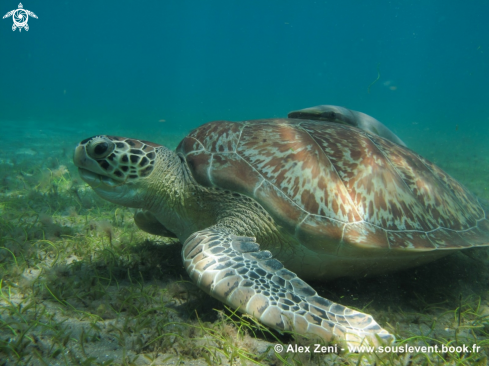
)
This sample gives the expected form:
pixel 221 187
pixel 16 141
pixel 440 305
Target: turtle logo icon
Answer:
pixel 20 17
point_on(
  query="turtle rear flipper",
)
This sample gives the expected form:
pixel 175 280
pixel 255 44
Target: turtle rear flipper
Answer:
pixel 234 270
pixel 146 221
pixel 342 115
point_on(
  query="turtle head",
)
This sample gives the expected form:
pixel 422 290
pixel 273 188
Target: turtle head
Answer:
pixel 117 168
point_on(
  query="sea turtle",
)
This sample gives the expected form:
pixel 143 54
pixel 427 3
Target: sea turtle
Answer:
pixel 262 205
pixel 20 17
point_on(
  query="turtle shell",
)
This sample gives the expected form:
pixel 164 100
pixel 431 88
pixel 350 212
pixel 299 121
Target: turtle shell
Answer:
pixel 339 183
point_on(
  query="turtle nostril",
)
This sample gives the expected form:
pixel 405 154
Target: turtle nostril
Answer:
pixel 101 148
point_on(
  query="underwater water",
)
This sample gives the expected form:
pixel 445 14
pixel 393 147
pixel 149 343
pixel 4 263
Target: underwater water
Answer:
pixel 81 284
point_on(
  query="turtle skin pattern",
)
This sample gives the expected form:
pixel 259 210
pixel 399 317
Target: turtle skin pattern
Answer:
pixel 233 269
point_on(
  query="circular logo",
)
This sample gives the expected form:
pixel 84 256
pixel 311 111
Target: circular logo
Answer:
pixel 20 18
pixel 278 348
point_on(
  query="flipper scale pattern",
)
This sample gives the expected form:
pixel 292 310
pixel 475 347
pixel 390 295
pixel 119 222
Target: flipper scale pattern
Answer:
pixel 234 270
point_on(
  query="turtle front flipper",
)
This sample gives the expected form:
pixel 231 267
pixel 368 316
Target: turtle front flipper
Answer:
pixel 146 221
pixel 234 270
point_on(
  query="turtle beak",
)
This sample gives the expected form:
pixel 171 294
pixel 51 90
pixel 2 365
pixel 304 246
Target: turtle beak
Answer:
pixel 97 181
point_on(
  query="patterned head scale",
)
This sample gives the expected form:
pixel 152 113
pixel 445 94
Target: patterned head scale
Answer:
pixel 121 158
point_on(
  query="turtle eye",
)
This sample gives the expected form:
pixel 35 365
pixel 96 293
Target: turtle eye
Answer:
pixel 99 148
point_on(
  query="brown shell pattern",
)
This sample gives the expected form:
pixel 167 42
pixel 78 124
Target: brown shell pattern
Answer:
pixel 320 178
